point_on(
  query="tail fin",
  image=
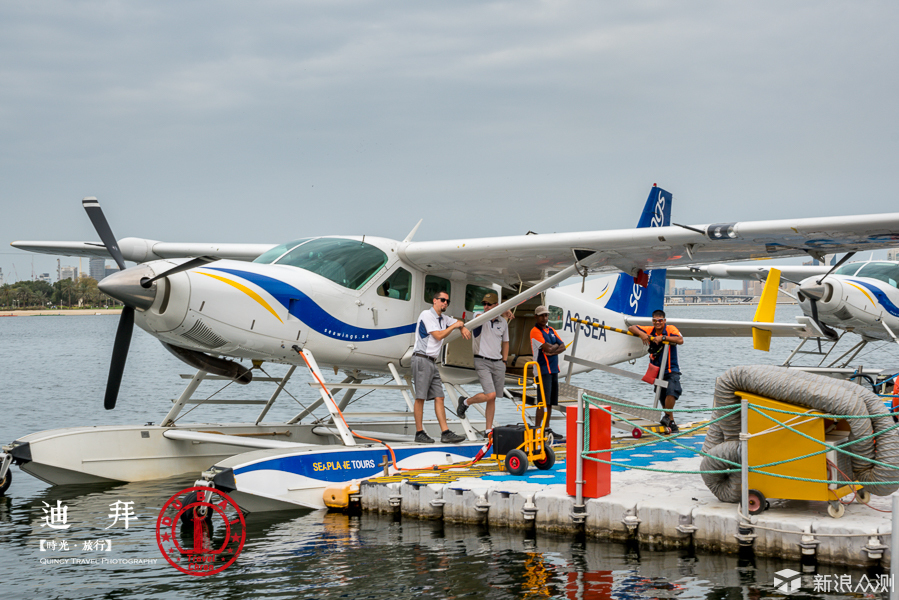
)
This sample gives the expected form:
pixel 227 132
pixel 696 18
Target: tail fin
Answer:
pixel 628 296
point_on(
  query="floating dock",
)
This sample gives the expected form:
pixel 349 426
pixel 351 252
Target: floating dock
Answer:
pixel 666 509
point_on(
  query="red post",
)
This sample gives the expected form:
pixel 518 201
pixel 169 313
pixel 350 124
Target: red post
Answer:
pixel 597 476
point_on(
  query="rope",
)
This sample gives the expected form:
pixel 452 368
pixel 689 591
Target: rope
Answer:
pixel 588 454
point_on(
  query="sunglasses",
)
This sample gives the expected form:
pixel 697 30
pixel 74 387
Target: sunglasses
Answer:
pixel 489 304
pixel 658 320
pixel 443 300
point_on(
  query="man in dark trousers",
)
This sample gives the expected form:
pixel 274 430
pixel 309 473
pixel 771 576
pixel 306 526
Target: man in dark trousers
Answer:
pixel 546 346
pixel 655 337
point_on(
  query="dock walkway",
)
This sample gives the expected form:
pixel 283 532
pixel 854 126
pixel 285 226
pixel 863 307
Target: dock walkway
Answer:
pixel 664 509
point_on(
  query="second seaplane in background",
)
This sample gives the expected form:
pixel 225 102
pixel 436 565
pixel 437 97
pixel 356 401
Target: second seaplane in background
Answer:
pixel 352 302
pixel 859 297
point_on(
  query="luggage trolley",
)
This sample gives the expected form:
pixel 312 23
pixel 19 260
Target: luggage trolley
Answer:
pixel 515 445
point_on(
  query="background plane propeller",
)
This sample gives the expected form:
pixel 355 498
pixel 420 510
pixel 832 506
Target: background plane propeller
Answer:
pixel 126 322
pixel 814 290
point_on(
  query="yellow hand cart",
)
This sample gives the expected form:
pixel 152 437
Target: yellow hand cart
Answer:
pixel 516 445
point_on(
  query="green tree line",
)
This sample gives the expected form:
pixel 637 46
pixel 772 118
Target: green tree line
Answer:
pixel 62 294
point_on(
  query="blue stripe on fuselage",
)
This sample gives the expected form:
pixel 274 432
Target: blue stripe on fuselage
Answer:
pixel 313 315
pixel 881 296
pixel 333 467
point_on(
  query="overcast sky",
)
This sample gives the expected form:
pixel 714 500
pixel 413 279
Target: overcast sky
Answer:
pixel 269 121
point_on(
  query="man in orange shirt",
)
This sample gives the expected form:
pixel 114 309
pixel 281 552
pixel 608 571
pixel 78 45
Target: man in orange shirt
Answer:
pixel 546 346
pixel 655 337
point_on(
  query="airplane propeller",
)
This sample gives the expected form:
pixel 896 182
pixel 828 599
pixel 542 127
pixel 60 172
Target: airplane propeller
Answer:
pixel 815 290
pixel 126 321
pixel 119 287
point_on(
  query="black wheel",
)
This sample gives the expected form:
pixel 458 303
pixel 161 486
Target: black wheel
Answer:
pixel 197 512
pixel 516 462
pixel 547 463
pixel 7 481
pixel 757 502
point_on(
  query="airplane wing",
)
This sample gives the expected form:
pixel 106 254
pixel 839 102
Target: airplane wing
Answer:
pixel 751 272
pixel 143 250
pixel 533 257
pixel 804 327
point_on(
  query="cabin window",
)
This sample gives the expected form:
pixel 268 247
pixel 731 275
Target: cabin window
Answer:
pixel 883 271
pixel 474 297
pixel 267 258
pixel 555 317
pixel 434 284
pixel 349 263
pixel 398 286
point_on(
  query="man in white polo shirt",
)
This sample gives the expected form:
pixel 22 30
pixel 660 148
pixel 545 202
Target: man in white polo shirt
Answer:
pixel 490 343
pixel 432 328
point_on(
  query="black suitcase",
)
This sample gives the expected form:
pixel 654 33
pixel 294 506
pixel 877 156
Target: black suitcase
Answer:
pixel 507 438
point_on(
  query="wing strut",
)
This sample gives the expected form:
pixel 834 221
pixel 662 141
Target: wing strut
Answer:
pixel 522 297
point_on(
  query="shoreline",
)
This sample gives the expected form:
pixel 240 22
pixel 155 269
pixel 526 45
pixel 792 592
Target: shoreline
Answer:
pixel 61 312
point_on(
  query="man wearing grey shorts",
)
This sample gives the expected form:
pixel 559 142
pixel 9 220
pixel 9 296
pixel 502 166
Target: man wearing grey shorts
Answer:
pixel 430 331
pixel 490 343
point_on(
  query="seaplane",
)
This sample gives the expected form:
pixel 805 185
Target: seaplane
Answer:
pixel 855 298
pixel 351 303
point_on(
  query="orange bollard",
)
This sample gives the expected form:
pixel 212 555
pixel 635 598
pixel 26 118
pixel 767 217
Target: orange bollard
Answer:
pixel 597 476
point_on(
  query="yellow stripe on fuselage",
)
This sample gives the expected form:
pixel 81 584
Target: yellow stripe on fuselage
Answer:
pixel 862 290
pixel 246 291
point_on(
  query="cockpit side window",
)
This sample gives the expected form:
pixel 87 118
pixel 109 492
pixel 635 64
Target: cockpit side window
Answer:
pixel 883 271
pixel 267 258
pixel 349 263
pixel 397 286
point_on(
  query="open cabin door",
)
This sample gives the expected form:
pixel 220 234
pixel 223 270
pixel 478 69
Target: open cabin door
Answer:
pixel 459 353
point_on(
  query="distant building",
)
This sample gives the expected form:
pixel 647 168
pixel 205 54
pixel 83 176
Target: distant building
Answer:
pixel 893 254
pixel 44 277
pixel 68 273
pixel 110 270
pixel 670 290
pixel 98 268
pixel 710 286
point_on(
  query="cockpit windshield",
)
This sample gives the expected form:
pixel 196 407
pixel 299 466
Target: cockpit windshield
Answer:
pixel 349 263
pixel 848 269
pixel 884 271
pixel 277 252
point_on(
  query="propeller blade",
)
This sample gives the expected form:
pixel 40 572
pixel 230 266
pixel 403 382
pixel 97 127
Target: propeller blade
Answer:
pixel 827 330
pixel 95 213
pixel 837 266
pixel 146 282
pixel 119 355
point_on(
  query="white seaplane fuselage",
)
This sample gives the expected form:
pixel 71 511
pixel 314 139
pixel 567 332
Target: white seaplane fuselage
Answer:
pixel 260 311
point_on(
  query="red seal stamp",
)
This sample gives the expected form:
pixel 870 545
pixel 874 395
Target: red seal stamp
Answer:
pixel 200 531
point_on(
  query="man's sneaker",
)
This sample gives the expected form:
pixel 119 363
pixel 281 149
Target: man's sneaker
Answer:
pixel 460 410
pixel 448 437
pixel 422 437
pixel 557 439
pixel 668 422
